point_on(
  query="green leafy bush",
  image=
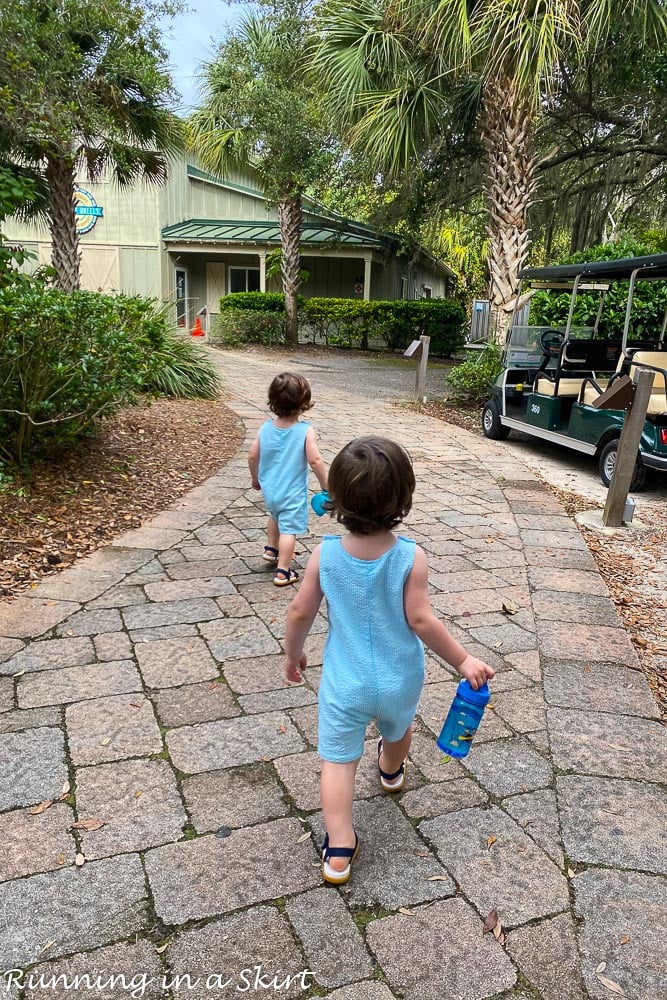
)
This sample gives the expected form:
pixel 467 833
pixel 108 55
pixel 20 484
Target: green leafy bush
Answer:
pixel 253 301
pixel 473 378
pixel 649 301
pixel 66 359
pixel 181 368
pixel 234 327
pixel 355 323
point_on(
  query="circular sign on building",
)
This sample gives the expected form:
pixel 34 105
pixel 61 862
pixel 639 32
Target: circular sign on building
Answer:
pixel 86 210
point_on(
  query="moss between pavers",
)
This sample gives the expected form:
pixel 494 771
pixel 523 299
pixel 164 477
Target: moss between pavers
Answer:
pixel 363 917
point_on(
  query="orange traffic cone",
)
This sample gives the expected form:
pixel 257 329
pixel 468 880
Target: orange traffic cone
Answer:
pixel 197 330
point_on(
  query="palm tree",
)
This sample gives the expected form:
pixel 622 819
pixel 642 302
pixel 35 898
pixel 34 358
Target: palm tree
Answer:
pixel 259 109
pixel 82 86
pixel 407 75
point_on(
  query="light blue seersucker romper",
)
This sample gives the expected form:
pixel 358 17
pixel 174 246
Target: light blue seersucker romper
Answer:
pixel 283 474
pixel 373 661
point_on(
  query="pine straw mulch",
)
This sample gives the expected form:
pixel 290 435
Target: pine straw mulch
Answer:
pixel 138 463
pixel 632 563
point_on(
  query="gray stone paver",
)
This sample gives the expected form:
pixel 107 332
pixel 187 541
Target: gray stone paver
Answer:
pixel 623 918
pixel 466 965
pixel 138 801
pixel 112 728
pixel 224 956
pixel 210 875
pixel 72 910
pixel 504 873
pixel 612 822
pixel 32 767
pixel 137 961
pixel 239 797
pixel 334 948
pixel 32 844
pixel 185 607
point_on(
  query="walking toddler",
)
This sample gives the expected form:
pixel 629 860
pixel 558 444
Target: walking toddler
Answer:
pixel 278 461
pixel 376 586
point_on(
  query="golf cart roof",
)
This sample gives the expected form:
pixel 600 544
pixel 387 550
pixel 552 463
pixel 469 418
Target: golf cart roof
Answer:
pixel 617 270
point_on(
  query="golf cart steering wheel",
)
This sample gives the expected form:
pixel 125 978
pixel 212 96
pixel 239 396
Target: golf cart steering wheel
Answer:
pixel 551 341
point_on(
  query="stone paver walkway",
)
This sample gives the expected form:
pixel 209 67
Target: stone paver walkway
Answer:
pixel 143 688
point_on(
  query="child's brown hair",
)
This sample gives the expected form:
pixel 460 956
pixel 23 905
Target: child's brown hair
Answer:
pixel 289 394
pixel 371 483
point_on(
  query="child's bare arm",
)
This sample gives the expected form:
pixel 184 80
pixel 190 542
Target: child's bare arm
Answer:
pixel 431 630
pixel 300 617
pixel 315 460
pixel 253 464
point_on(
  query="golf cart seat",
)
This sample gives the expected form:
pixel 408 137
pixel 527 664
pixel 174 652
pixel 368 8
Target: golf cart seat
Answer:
pixel 561 387
pixel 591 393
pixel 656 361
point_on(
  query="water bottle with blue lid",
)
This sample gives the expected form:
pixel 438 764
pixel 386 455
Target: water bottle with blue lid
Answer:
pixel 319 501
pixel 463 719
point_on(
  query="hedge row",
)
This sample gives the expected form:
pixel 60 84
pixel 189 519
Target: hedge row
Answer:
pixel 257 317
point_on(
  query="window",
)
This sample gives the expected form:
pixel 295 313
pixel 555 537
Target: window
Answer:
pixel 427 291
pixel 243 279
pixel 181 296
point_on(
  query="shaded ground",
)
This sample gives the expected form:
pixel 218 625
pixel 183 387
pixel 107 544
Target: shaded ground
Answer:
pixel 138 463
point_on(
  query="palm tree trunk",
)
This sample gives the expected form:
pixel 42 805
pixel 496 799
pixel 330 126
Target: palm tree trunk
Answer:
pixel 509 190
pixel 62 223
pixel 290 215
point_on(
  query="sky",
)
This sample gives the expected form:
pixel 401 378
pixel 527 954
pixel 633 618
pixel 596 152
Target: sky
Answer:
pixel 191 39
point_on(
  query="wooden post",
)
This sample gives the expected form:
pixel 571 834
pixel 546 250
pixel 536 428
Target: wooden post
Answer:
pixel 628 447
pixel 421 368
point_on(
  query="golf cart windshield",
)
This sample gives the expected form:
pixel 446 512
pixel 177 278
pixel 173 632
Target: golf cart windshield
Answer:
pixel 524 349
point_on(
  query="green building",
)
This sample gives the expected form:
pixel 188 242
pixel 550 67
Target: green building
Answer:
pixel 199 237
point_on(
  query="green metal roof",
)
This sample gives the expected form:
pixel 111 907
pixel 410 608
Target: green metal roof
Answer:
pixel 312 233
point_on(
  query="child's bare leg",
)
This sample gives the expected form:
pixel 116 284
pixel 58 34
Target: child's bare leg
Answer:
pixel 337 792
pixel 272 533
pixel 286 546
pixel 393 754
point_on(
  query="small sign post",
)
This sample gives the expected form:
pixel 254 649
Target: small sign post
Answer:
pixel 420 380
pixel 628 447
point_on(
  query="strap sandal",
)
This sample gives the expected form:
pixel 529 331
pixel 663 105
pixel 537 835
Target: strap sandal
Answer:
pixel 331 875
pixel 391 782
pixel 270 554
pixel 284 577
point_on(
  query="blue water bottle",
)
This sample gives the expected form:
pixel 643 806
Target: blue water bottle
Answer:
pixel 318 502
pixel 463 719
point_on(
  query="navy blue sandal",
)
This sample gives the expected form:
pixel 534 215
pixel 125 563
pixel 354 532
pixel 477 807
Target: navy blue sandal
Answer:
pixel 284 577
pixel 391 782
pixel 331 875
pixel 270 554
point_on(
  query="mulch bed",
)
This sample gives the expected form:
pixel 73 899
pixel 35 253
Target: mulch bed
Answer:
pixel 137 464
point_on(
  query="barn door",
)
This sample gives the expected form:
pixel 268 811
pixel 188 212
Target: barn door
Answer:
pixel 215 284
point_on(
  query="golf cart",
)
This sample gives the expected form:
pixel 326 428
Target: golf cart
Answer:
pixel 553 377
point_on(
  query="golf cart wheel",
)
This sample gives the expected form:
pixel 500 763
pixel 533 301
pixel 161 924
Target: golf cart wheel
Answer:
pixel 491 424
pixel 607 464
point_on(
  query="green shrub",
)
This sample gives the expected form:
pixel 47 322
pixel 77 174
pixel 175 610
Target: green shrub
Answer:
pixel 550 308
pixel 66 359
pixel 235 327
pixel 181 368
pixel 253 301
pixel 473 378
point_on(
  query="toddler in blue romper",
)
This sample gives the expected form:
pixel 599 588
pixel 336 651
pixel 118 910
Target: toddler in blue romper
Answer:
pixel 376 586
pixel 278 460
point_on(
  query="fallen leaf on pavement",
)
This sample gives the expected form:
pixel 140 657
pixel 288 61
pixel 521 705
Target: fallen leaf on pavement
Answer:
pixel 490 922
pixel 438 878
pixel 162 947
pixel 509 609
pixel 49 944
pixel 105 742
pixel 406 911
pixel 94 823
pixel 490 841
pixel 303 837
pixel 611 985
pixel 138 793
pixel 624 939
pixel 42 807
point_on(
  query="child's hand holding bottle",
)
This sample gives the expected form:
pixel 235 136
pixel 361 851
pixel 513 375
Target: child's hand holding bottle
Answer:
pixel 475 671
